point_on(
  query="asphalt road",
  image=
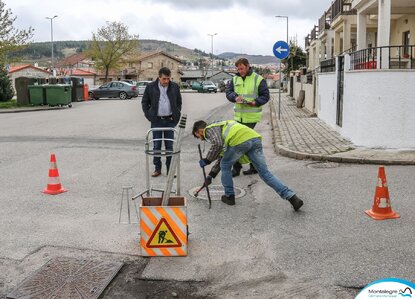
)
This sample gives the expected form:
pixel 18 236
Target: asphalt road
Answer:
pixel 259 248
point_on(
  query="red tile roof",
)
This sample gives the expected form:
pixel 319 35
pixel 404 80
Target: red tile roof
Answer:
pixel 17 68
pixel 71 60
pixel 79 72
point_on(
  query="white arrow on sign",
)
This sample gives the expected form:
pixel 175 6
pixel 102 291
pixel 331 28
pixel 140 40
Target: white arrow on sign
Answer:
pixel 279 50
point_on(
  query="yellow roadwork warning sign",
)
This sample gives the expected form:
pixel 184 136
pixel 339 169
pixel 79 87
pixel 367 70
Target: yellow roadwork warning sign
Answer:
pixel 163 229
pixel 163 236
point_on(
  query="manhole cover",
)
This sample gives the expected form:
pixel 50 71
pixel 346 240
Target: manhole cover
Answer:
pixel 216 192
pixel 68 278
pixel 323 165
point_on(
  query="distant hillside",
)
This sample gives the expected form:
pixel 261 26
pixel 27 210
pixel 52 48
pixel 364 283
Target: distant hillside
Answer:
pixel 253 59
pixel 40 52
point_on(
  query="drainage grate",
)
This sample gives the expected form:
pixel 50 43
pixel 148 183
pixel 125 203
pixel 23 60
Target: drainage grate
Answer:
pixel 323 165
pixel 216 192
pixel 68 278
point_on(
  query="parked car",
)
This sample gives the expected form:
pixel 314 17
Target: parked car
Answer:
pixel 141 85
pixel 205 86
pixel 184 85
pixel 132 82
pixel 223 84
pixel 114 89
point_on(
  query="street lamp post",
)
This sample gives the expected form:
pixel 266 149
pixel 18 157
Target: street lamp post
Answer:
pixel 51 40
pixel 279 87
pixel 211 37
pixel 287 24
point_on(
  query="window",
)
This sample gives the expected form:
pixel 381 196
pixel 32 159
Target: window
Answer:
pixel 149 65
pixel 405 41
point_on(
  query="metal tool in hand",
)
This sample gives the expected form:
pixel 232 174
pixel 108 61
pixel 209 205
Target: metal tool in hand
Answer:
pixel 198 190
pixel 204 176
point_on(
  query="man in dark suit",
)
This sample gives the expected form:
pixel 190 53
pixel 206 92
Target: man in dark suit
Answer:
pixel 162 103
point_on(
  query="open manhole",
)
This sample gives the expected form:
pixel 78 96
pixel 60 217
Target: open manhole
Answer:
pixel 68 278
pixel 320 165
pixel 216 192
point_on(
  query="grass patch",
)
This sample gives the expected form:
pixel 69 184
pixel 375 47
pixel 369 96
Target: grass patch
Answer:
pixel 11 104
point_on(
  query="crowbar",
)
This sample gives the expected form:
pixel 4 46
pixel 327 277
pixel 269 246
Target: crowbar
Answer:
pixel 204 176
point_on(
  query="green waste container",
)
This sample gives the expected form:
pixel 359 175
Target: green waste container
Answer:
pixel 37 95
pixel 59 95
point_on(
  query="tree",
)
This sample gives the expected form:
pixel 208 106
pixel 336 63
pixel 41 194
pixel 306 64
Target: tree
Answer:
pixel 6 90
pixel 295 60
pixel 11 39
pixel 109 45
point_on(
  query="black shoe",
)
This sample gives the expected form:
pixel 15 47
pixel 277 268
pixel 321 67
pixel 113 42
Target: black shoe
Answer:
pixel 229 200
pixel 236 172
pixel 296 202
pixel 251 170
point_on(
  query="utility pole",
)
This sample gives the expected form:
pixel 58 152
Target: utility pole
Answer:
pixel 51 40
pixel 211 37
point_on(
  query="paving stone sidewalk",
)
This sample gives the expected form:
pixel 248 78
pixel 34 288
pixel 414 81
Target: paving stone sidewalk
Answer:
pixel 301 136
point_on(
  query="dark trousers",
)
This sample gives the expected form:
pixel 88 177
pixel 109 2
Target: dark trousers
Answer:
pixel 168 144
pixel 238 166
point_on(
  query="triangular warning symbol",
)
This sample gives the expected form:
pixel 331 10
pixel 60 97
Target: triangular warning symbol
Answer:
pixel 163 236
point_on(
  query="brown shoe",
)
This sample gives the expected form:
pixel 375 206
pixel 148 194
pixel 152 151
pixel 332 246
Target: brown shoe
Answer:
pixel 156 173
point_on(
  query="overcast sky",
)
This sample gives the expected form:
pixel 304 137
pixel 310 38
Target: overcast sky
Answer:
pixel 244 26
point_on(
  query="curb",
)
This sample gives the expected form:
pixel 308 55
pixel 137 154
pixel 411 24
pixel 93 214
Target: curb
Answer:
pixel 29 109
pixel 286 152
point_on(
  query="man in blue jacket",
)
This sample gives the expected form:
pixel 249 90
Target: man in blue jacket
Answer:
pixel 249 91
pixel 162 105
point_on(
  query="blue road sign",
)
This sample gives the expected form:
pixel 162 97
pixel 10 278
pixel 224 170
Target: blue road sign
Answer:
pixel 281 49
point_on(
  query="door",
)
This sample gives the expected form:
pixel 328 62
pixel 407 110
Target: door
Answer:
pixel 340 88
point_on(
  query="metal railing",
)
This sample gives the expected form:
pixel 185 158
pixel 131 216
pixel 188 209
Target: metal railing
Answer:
pixel 342 7
pixel 314 33
pixel 307 41
pixel 324 22
pixel 328 65
pixel 399 57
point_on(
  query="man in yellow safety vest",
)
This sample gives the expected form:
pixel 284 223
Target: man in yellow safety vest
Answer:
pixel 249 91
pixel 235 140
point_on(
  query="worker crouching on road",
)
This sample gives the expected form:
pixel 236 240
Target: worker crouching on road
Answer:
pixel 236 140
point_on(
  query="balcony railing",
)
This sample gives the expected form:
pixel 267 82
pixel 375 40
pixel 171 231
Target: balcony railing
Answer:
pixel 328 65
pixel 307 41
pixel 342 7
pixel 399 57
pixel 314 33
pixel 324 22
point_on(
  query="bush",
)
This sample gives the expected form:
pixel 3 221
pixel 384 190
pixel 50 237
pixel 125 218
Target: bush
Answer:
pixel 6 89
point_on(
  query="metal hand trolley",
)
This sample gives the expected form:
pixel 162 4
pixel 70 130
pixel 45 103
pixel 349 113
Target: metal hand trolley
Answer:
pixel 160 153
pixel 163 220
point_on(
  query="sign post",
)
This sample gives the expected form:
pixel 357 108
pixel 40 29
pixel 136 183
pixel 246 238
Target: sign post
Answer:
pixel 281 50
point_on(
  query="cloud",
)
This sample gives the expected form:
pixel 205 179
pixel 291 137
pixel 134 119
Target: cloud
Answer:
pixel 242 25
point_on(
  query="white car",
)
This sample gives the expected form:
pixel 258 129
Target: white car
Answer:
pixel 141 85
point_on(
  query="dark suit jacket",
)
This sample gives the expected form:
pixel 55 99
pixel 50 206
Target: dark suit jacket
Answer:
pixel 151 97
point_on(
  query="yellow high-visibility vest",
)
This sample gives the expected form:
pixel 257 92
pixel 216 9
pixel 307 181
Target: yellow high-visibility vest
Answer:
pixel 248 89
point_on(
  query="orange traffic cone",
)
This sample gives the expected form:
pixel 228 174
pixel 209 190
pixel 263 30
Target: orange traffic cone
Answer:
pixel 382 208
pixel 54 185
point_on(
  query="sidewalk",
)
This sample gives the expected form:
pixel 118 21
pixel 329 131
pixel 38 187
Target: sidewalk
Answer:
pixel 299 136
